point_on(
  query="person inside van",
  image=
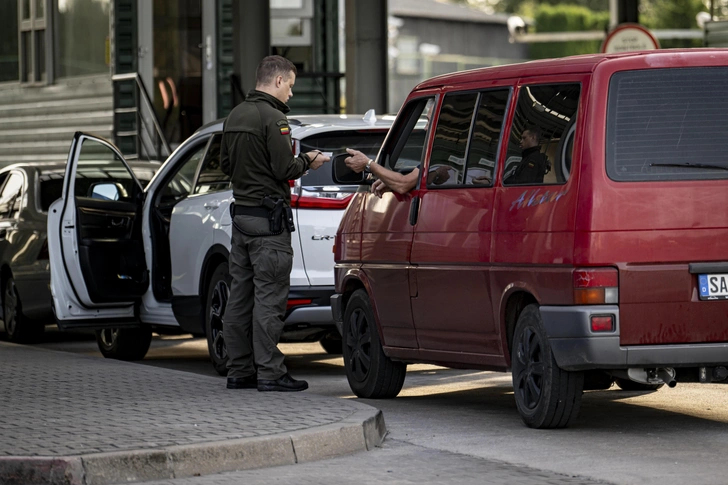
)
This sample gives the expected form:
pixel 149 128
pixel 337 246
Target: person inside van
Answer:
pixel 392 180
pixel 534 164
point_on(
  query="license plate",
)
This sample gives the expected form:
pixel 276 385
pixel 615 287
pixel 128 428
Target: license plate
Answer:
pixel 713 286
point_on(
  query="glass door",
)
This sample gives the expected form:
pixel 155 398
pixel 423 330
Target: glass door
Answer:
pixel 178 67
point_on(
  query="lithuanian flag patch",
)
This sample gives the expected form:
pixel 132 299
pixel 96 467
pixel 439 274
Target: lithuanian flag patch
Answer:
pixel 285 130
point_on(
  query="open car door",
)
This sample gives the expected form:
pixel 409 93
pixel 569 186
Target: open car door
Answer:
pixel 98 270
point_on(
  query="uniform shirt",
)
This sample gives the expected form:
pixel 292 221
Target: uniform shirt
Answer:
pixel 256 150
pixel 531 169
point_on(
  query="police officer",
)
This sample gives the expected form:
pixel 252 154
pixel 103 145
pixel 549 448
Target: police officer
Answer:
pixel 534 164
pixel 257 153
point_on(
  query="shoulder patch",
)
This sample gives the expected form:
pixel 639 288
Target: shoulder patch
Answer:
pixel 285 130
pixel 282 123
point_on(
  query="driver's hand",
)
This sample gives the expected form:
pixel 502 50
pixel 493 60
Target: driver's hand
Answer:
pixel 357 161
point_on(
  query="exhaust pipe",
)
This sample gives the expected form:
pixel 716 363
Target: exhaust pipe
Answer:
pixel 660 375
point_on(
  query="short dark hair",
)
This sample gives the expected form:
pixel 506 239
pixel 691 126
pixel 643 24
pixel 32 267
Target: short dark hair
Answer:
pixel 534 130
pixel 271 67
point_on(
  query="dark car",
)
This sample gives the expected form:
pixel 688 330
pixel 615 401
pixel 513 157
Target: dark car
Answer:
pixel 27 190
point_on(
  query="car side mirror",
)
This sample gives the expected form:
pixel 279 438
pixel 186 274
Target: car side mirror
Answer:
pixel 105 191
pixel 343 174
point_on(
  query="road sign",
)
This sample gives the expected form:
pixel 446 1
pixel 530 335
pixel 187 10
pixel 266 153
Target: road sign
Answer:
pixel 629 37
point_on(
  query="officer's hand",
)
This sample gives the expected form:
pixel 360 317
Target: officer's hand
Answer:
pixel 317 159
pixel 357 161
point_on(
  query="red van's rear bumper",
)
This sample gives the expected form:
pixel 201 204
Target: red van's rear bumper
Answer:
pixel 576 347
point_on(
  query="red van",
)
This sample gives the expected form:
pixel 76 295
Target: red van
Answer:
pixel 598 255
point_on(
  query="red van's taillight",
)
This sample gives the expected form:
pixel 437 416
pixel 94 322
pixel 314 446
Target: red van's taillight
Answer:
pixel 594 286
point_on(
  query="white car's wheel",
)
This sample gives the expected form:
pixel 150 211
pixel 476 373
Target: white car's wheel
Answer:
pixel 218 292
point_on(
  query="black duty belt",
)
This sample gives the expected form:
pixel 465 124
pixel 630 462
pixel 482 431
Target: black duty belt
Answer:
pixel 255 211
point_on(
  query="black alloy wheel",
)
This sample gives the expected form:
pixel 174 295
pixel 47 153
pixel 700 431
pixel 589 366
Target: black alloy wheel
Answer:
pixel 359 345
pixel 530 378
pixel 546 395
pixel 371 374
pixel 19 328
pixel 217 299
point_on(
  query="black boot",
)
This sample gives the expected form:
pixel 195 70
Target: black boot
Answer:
pixel 285 383
pixel 249 382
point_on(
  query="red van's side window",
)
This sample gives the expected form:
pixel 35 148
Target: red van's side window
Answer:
pixel 541 138
pixel 405 145
pixel 447 161
pixel 465 144
pixel 486 136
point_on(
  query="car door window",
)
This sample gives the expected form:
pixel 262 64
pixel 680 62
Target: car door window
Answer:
pixel 539 136
pixel 211 177
pixel 181 183
pixel 102 174
pixel 485 140
pixel 409 134
pixel 450 142
pixel 11 196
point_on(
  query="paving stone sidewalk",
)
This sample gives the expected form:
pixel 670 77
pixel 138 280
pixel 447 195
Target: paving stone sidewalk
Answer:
pixel 71 419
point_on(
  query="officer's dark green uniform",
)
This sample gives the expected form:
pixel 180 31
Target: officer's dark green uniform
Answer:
pixel 256 152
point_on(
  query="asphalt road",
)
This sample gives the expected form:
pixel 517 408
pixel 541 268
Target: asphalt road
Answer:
pixel 445 417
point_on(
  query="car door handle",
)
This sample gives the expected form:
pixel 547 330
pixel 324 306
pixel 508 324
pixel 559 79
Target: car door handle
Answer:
pixel 118 221
pixel 210 207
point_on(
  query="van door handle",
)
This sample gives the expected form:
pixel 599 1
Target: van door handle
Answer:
pixel 210 207
pixel 414 210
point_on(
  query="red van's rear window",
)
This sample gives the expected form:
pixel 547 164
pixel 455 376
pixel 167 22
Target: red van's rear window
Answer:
pixel 668 124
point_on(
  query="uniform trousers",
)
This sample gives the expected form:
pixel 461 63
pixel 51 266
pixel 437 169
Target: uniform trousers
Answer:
pixel 260 267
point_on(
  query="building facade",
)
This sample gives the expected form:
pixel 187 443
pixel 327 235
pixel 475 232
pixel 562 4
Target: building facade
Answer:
pixel 147 73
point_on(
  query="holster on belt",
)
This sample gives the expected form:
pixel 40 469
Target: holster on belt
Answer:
pixel 275 210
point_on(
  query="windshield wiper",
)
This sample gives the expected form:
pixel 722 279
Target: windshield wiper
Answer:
pixel 688 164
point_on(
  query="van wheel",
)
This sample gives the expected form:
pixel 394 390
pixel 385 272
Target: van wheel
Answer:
pixel 124 343
pixel 546 396
pixel 20 329
pixel 332 343
pixel 630 385
pixel 370 373
pixel 218 292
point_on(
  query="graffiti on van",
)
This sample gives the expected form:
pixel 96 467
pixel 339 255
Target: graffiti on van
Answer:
pixel 533 197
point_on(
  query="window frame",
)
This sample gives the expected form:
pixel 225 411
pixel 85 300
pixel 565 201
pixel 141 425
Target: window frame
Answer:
pixel 397 142
pixel 34 25
pixel 191 151
pixel 202 164
pixel 504 128
pixel 574 121
pixel 23 190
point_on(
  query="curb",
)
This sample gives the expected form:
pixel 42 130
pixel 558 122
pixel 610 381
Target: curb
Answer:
pixel 362 431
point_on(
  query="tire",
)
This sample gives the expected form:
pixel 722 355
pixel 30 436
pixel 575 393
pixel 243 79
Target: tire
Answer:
pixel 629 385
pixel 332 343
pixel 370 373
pixel 124 343
pixel 218 292
pixel 20 329
pixel 546 396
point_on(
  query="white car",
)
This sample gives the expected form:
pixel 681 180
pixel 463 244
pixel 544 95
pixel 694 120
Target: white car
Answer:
pixel 128 261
